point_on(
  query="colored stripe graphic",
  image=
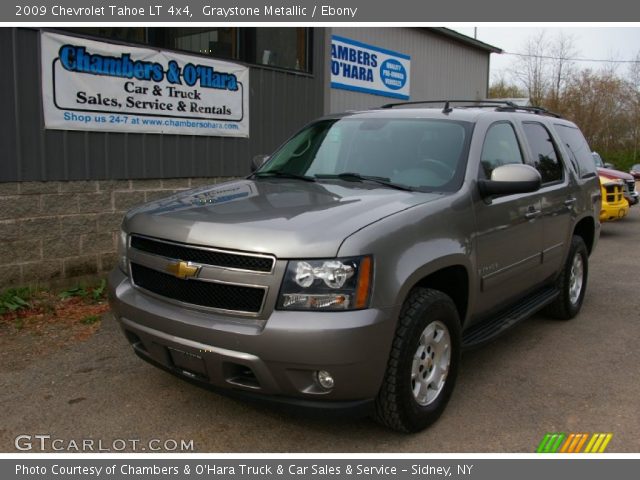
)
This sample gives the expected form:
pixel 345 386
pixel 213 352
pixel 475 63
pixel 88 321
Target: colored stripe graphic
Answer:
pixel 571 439
pixel 550 443
pixel 573 443
pixel 598 443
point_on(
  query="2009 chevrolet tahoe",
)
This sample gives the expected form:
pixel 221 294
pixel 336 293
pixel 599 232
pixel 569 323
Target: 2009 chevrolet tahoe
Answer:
pixel 352 267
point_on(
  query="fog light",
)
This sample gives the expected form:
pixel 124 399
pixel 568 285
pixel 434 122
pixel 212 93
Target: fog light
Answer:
pixel 325 379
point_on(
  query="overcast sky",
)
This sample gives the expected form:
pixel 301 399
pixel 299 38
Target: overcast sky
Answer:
pixel 619 43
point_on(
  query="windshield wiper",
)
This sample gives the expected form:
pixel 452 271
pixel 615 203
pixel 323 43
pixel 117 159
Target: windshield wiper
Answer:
pixel 283 174
pixel 352 176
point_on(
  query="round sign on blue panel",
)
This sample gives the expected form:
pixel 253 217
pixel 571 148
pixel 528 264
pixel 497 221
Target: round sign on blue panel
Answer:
pixel 393 74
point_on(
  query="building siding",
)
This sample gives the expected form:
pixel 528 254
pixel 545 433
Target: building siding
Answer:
pixel 441 67
pixel 280 102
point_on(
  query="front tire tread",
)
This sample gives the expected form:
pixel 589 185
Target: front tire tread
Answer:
pixel 395 406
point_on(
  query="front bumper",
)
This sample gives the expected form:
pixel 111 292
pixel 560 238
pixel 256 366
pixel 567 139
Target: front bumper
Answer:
pixel 613 211
pixel 633 198
pixel 275 359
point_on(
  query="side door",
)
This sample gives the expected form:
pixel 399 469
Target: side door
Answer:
pixel 509 232
pixel 587 187
pixel 558 198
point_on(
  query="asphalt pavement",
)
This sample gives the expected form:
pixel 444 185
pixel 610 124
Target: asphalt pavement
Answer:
pixel 543 376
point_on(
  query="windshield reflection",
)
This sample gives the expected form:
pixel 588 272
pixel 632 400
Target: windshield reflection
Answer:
pixel 421 154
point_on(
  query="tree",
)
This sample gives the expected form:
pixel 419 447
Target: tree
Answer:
pixel 531 68
pixel 596 101
pixel 545 67
pixel 604 103
pixel 500 88
pixel 562 50
pixel 634 103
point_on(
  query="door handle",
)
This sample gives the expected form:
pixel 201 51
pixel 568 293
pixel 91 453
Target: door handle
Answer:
pixel 531 214
pixel 570 201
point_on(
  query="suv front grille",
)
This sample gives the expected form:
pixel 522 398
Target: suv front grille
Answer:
pixel 205 294
pixel 202 255
pixel 631 186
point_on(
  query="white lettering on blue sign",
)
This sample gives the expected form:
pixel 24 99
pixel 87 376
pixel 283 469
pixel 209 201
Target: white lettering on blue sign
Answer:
pixel 359 67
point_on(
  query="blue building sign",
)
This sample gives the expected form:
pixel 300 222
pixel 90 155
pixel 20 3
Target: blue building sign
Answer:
pixel 359 67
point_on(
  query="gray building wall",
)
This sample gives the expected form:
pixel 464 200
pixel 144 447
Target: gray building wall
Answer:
pixel 441 67
pixel 63 193
pixel 279 103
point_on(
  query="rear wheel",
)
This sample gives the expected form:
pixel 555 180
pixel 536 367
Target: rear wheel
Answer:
pixel 423 363
pixel 572 282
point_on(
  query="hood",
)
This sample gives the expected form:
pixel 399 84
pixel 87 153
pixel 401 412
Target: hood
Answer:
pixel 286 218
pixel 610 180
pixel 610 173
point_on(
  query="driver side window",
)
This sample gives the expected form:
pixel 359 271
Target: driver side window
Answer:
pixel 500 147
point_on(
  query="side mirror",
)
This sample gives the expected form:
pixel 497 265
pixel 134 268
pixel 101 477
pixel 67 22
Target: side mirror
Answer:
pixel 609 165
pixel 511 179
pixel 258 161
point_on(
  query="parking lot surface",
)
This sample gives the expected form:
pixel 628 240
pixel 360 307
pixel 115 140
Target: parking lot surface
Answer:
pixel 542 376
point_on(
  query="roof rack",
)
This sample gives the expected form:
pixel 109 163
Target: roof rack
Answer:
pixel 500 105
pixel 447 101
pixel 536 110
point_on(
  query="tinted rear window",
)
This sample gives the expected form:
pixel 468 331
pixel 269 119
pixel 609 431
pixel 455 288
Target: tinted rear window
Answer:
pixel 545 157
pixel 579 151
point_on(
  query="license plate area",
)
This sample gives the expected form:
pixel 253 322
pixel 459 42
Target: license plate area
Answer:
pixel 189 364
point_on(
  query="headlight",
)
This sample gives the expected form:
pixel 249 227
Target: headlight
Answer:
pixel 122 252
pixel 332 284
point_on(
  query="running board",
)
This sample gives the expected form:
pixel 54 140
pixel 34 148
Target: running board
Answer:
pixel 490 328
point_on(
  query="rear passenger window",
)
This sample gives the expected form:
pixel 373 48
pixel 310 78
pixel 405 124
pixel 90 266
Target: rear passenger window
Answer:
pixel 545 156
pixel 578 149
pixel 500 148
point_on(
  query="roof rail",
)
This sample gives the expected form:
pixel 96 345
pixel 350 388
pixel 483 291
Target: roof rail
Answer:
pixel 500 105
pixel 536 110
pixel 446 102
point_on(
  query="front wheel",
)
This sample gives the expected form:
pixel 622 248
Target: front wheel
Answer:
pixel 572 282
pixel 423 363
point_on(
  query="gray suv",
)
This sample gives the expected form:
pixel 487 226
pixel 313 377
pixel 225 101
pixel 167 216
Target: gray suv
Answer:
pixel 354 265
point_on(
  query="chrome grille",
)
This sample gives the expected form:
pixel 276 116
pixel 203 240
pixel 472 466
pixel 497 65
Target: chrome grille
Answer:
pixel 204 255
pixel 221 296
pixel 631 186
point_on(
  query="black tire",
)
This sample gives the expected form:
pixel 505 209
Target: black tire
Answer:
pixel 396 405
pixel 563 307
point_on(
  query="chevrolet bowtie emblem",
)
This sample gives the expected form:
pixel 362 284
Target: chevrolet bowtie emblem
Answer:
pixel 183 270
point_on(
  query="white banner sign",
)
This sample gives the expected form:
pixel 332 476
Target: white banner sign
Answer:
pixel 359 67
pixel 90 85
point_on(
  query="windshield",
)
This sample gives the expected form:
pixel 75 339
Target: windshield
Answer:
pixel 422 154
pixel 598 160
